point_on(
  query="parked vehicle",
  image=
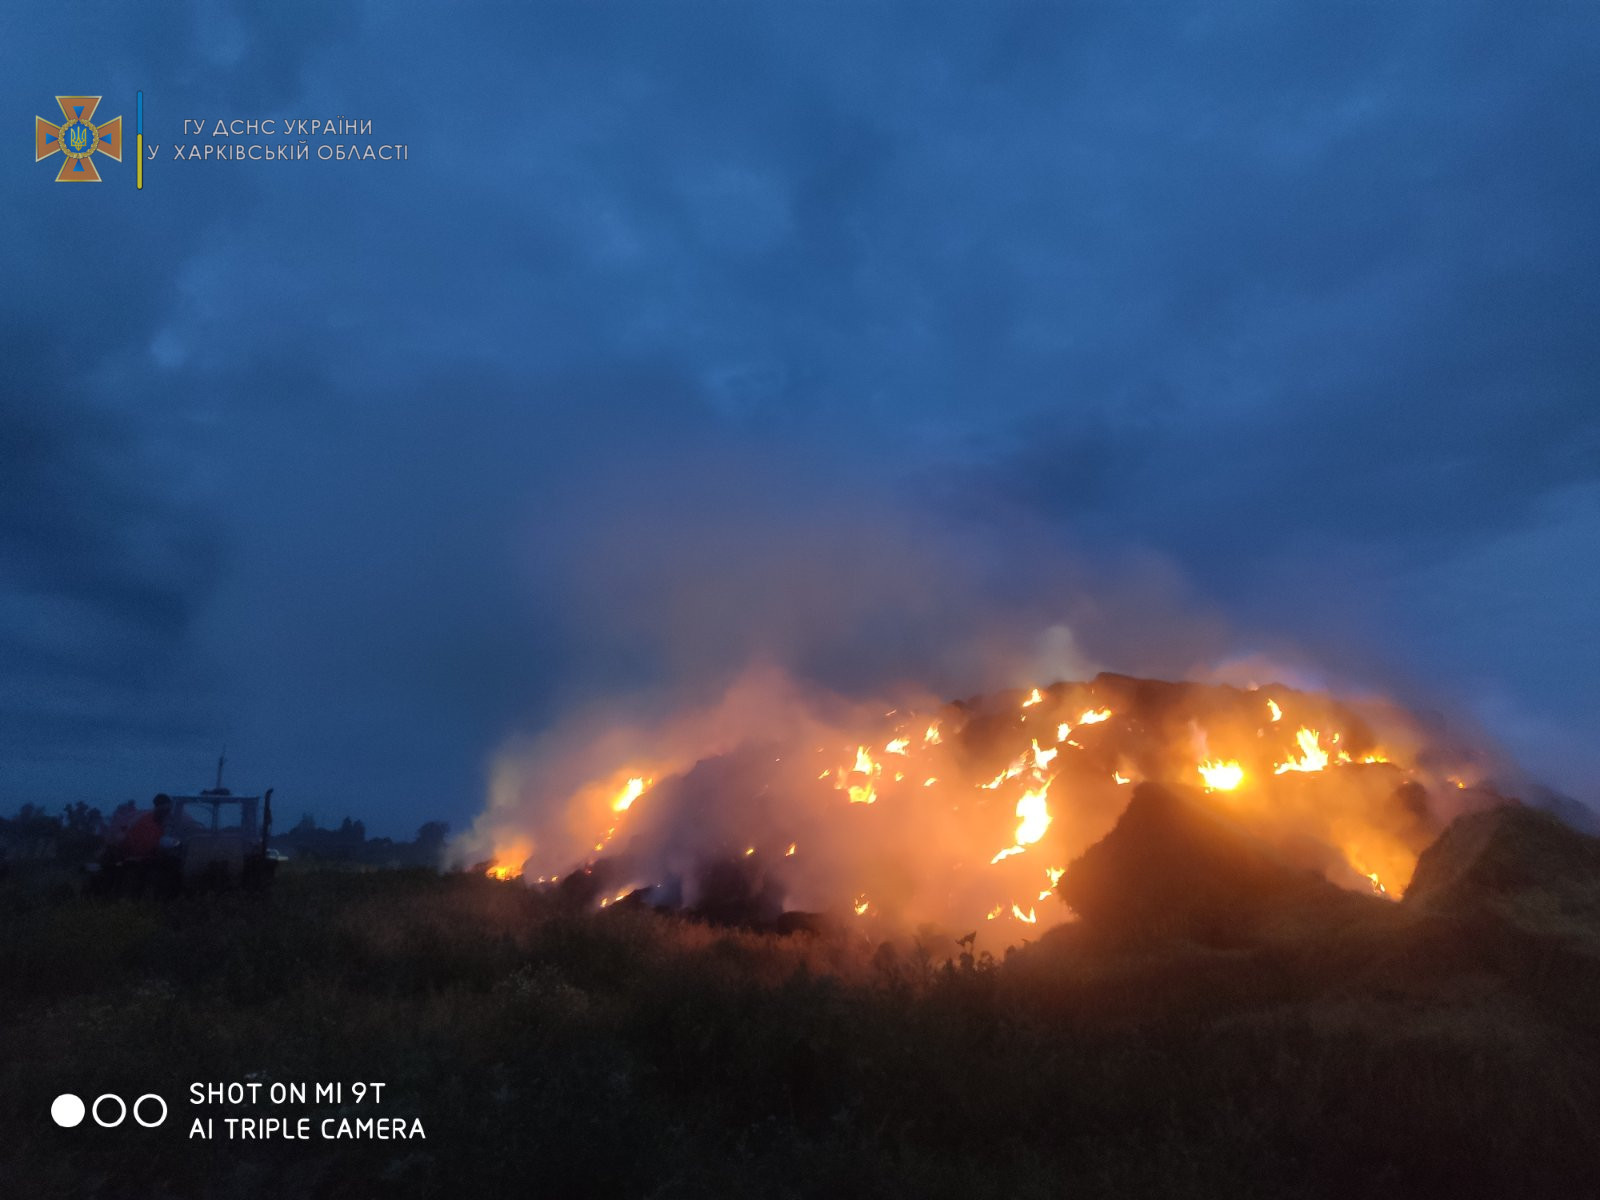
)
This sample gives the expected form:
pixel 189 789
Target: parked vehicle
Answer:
pixel 210 840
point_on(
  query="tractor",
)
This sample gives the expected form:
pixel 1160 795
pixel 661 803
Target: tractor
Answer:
pixel 209 841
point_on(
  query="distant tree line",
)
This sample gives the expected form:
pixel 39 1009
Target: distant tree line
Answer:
pixel 75 835
pixel 349 843
pixel 33 835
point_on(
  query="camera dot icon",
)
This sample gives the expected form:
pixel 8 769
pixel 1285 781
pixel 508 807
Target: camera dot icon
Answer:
pixel 67 1110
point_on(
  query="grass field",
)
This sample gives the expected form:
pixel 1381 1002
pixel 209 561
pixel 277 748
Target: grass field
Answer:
pixel 555 1053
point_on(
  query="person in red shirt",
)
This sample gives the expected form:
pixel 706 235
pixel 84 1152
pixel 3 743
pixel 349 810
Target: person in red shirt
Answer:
pixel 145 834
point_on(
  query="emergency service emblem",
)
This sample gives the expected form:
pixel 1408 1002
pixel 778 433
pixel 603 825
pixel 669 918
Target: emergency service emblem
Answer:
pixel 78 138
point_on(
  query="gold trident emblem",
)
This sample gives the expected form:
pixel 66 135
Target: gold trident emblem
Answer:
pixel 78 139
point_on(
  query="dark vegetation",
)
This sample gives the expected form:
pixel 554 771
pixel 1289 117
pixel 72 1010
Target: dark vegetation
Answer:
pixel 33 835
pixel 1269 1038
pixel 348 843
pixel 74 836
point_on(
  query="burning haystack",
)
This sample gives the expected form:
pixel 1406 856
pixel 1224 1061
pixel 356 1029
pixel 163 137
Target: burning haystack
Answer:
pixel 966 814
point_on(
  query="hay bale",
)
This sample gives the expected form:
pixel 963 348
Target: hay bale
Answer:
pixel 738 892
pixel 1507 853
pixel 1171 867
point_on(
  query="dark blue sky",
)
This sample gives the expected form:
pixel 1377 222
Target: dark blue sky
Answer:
pixel 874 340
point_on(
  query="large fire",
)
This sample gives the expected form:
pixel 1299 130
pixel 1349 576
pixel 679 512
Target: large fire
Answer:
pixel 961 814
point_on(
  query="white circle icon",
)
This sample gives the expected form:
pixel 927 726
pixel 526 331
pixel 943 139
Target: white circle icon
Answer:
pixel 122 1111
pixel 67 1110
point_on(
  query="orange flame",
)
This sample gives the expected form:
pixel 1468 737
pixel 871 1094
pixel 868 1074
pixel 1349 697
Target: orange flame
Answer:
pixel 1312 756
pixel 1033 815
pixel 1221 776
pixel 634 788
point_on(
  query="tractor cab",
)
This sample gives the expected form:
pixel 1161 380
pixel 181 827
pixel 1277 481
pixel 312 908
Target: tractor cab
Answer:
pixel 215 836
pixel 212 839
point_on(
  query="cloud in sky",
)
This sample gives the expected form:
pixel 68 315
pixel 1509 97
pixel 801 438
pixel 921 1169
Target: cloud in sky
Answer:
pixel 877 341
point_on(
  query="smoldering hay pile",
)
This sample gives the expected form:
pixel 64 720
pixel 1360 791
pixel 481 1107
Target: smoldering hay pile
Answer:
pixel 956 815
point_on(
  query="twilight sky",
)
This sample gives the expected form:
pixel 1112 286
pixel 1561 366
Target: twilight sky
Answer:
pixel 876 341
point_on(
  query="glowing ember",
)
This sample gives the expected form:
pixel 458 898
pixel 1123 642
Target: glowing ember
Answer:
pixel 1011 772
pixel 861 906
